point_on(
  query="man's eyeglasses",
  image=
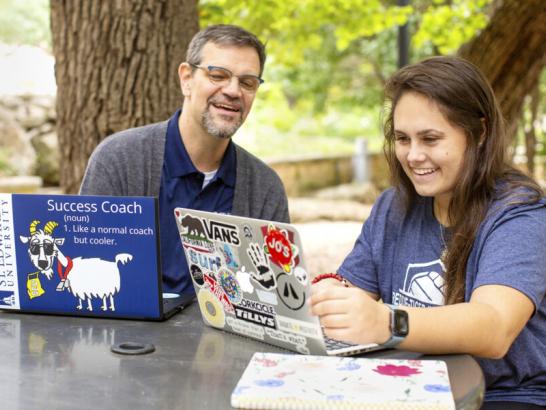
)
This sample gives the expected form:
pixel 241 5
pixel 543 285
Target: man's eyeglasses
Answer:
pixel 222 76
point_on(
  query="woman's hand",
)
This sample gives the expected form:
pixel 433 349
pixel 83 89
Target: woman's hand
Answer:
pixel 349 313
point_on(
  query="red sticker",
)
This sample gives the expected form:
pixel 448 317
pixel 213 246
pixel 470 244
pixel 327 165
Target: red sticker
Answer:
pixel 219 293
pixel 279 248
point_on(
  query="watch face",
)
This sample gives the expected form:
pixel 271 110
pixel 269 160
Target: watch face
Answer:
pixel 400 326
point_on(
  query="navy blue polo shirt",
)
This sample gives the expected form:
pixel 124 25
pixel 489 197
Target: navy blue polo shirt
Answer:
pixel 181 185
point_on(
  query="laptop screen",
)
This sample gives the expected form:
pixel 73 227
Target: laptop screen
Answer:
pixel 79 255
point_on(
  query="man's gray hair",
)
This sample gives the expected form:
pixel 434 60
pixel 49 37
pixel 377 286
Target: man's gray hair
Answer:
pixel 227 35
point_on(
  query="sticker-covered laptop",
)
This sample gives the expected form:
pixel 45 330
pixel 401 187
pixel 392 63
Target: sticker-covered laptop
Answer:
pixel 83 256
pixel 250 278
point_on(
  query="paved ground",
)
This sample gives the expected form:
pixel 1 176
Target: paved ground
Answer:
pixel 328 227
pixel 325 244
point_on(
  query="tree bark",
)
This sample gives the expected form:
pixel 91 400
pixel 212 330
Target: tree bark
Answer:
pixel 529 132
pixel 116 67
pixel 511 52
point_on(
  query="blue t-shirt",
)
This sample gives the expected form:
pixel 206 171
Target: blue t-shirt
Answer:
pixel 182 186
pixel 397 256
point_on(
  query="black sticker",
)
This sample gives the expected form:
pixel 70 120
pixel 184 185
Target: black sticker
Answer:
pixel 252 316
pixel 290 291
pixel 219 231
pixel 197 274
pixel 247 231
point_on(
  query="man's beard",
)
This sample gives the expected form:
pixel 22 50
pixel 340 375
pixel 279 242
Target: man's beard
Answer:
pixel 225 132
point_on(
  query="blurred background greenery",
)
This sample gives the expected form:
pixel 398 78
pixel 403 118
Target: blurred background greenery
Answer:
pixel 327 62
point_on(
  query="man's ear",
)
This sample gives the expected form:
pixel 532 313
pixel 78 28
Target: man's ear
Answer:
pixel 185 76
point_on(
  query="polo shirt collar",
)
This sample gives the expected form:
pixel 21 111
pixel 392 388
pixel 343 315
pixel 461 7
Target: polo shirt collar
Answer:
pixel 179 164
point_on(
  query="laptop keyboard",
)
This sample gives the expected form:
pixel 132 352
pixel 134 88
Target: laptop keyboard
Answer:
pixel 333 344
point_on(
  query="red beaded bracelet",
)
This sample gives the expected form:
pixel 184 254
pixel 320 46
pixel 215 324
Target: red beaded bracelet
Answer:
pixel 335 276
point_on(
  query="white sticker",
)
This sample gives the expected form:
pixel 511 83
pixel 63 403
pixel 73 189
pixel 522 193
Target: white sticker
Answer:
pixel 300 327
pixel 267 297
pixel 245 328
pixel 301 275
pixel 243 277
pixel 286 337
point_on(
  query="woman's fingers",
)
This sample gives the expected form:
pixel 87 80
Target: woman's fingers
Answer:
pixel 328 307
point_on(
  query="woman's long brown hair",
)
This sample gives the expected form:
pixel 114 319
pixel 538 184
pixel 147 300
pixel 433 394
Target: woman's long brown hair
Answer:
pixel 466 99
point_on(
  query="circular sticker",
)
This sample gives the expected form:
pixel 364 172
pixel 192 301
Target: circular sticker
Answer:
pixel 197 275
pixel 231 287
pixel 211 309
pixel 290 291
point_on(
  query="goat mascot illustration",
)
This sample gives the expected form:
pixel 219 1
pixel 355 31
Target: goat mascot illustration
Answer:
pixel 85 278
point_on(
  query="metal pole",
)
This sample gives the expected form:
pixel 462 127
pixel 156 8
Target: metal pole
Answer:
pixel 403 40
pixel 361 172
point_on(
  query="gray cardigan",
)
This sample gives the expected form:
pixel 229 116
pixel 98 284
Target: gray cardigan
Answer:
pixel 129 163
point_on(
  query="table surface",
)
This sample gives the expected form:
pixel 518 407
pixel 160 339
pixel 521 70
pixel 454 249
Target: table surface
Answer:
pixel 60 362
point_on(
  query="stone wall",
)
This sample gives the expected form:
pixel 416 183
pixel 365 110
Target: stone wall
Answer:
pixel 305 174
pixel 28 140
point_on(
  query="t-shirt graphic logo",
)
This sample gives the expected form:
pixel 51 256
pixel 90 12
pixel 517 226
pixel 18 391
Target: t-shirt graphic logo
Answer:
pixel 424 284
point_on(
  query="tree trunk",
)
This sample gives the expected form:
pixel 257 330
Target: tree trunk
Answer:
pixel 511 52
pixel 116 67
pixel 529 131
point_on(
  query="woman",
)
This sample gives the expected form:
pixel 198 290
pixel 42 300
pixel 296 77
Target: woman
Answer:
pixel 459 246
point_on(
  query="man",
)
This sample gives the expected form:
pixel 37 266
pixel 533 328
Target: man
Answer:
pixel 190 160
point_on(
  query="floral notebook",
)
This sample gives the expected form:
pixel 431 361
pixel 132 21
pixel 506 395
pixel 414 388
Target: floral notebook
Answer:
pixel 293 382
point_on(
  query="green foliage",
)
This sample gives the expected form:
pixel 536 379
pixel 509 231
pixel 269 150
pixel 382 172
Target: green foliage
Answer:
pixel 339 53
pixel 275 129
pixel 293 29
pixel 448 26
pixel 327 60
pixel 25 22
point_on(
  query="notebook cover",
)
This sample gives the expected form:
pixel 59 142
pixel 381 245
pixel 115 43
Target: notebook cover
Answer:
pixel 293 382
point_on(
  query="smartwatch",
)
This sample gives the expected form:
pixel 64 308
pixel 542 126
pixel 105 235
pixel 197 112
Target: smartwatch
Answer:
pixel 398 325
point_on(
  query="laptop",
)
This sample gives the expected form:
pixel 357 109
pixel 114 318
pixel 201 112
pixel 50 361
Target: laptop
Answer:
pixel 83 256
pixel 250 279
